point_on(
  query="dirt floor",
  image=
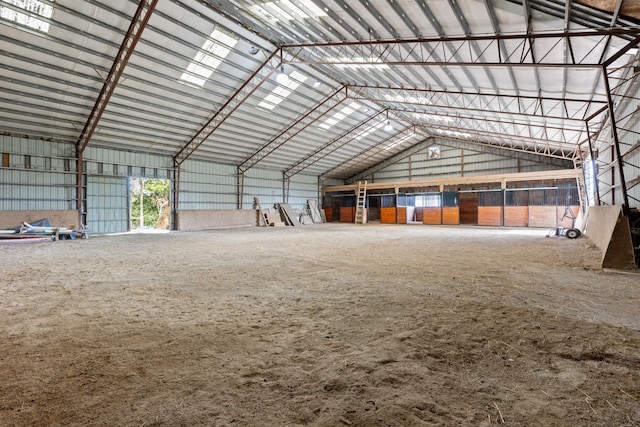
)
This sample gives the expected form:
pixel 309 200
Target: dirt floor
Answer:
pixel 324 325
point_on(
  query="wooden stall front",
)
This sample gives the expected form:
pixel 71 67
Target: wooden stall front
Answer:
pixel 450 215
pixel 347 214
pixel 490 215
pixel 432 216
pixel 388 215
pixel 516 216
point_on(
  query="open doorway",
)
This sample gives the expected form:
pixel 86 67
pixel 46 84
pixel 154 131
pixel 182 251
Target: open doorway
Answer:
pixel 149 202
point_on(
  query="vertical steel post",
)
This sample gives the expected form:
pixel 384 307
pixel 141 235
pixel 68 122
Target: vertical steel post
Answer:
pixel 616 144
pixel 240 186
pixel 175 196
pixel 79 187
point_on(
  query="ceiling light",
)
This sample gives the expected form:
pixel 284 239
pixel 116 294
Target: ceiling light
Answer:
pixel 317 83
pixel 253 50
pixel 388 127
pixel 282 77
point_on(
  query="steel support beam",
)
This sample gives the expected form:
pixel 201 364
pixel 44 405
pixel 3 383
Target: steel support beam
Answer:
pixel 175 200
pixel 616 143
pixel 530 145
pixel 332 145
pixel 428 141
pixel 495 129
pixel 403 51
pixel 367 153
pixel 519 154
pixel 467 101
pixel 259 76
pixel 295 128
pixel 137 26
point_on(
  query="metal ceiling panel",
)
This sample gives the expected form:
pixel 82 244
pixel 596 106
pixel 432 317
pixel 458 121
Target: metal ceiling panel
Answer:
pixel 51 81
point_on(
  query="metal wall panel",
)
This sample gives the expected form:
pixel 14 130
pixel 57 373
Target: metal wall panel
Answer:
pixel 453 162
pixel 107 204
pixel 37 177
pixel 205 185
pixel 36 147
pixel 301 189
pixel 104 161
pixel 266 185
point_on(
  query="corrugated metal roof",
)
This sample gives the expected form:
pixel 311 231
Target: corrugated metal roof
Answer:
pixel 515 73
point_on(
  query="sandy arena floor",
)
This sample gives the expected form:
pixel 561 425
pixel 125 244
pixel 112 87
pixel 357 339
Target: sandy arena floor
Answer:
pixel 325 325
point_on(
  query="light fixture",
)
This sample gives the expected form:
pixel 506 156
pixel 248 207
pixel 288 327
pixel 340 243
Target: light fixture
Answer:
pixel 388 127
pixel 282 77
pixel 253 50
pixel 316 83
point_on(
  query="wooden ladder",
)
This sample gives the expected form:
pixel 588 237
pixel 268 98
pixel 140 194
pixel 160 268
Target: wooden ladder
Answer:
pixel 361 194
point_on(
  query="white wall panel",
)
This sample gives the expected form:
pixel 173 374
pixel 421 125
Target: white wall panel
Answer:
pixel 206 185
pixel 301 189
pixel 36 179
pixel 264 184
pixel 453 162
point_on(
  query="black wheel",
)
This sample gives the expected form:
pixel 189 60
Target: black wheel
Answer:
pixel 572 233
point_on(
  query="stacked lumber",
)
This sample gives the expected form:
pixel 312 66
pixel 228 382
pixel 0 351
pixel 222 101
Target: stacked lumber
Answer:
pixel 274 219
pixel 290 218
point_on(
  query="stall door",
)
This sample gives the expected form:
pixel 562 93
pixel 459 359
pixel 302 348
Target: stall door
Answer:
pixel 107 204
pixel 469 208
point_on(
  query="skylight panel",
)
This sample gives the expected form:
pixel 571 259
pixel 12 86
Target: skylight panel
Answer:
pixel 214 50
pixel 339 115
pixel 281 92
pixel 32 8
pixel 199 70
pixel 371 130
pixel 208 63
pixel 267 105
pixel 358 62
pixel 287 10
pixel 407 99
pixel 431 118
pixel 455 134
pixel 399 141
pixel 315 11
pixel 192 79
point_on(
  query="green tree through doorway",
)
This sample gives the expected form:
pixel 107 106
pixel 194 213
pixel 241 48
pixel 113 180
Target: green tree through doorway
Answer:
pixel 149 203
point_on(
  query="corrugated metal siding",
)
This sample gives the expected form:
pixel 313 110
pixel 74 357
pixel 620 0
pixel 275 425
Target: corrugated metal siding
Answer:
pixel 264 184
pixel 108 204
pixel 36 147
pixel 453 162
pixel 102 161
pixel 206 185
pixel 301 189
pixel 40 176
